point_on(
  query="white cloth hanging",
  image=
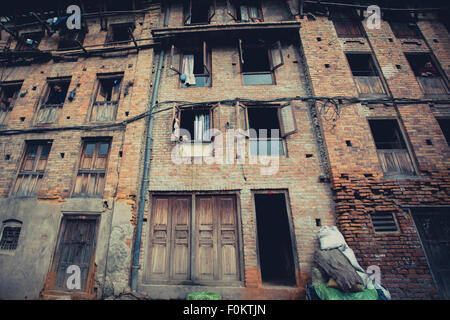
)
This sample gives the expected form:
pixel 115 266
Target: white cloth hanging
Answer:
pixel 188 69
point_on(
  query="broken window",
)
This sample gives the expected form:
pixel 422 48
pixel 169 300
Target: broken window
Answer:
pixel 275 250
pixel 199 11
pixel 365 74
pixel 10 234
pixel 245 10
pixel 8 95
pixel 197 243
pixel 107 96
pixel 29 41
pixel 52 101
pixel 76 246
pixel 391 147
pixel 120 32
pixel 347 23
pixel 91 175
pixel 427 74
pixel 445 127
pixel 193 65
pixel 259 61
pixel 32 168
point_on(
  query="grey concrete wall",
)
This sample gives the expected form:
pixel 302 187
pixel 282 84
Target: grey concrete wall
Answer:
pixel 23 271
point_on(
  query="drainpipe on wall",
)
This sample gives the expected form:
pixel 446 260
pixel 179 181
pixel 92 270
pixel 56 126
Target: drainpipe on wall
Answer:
pixel 145 178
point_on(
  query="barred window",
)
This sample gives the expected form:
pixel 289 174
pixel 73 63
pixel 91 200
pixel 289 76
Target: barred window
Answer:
pixel 10 234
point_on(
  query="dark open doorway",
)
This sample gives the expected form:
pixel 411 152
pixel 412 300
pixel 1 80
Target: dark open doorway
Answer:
pixel 274 240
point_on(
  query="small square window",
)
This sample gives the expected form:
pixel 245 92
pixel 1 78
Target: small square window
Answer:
pixel 10 235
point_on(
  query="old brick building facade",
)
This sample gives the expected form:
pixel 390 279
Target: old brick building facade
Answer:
pixel 95 172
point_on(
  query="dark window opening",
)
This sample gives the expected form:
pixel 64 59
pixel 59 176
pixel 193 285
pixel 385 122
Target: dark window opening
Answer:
pixel 248 11
pixel 386 134
pixel 347 23
pixel 262 121
pixel 361 65
pixel 195 67
pixel 274 240
pixel 197 123
pixel 402 23
pixel 427 74
pixel 109 89
pixel 115 5
pixel 10 235
pixel 107 97
pixel 28 41
pixel 445 127
pixel 391 147
pixel 197 12
pixel 120 32
pixel 52 102
pixel 365 74
pixel 71 40
pixel 8 96
pixel 256 59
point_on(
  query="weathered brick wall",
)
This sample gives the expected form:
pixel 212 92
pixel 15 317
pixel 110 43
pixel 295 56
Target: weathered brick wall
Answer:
pixel 298 174
pixel 125 159
pixel 357 180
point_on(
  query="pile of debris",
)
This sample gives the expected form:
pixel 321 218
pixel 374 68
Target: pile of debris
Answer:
pixel 337 275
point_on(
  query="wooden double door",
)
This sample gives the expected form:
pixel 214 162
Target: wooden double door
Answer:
pixel 193 239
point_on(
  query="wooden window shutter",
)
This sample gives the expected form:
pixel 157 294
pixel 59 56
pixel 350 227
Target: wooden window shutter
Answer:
pixel 175 59
pixel 241 52
pixel 188 12
pixel 287 120
pixel 276 55
pixel 213 11
pixel 242 119
pixel 214 116
pixel 175 131
pixel 206 58
pixel 231 11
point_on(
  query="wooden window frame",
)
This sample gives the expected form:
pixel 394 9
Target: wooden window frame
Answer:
pixel 110 34
pixel 408 149
pixel 239 239
pixel 112 103
pixel 437 65
pixel 275 45
pixel 245 126
pixel 34 170
pixel 8 109
pixel 84 143
pixel 351 17
pixel 177 111
pixel 233 7
pixel 207 62
pixel 41 103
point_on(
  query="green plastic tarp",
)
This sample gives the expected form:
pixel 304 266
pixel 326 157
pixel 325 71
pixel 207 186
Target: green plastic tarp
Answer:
pixel 326 293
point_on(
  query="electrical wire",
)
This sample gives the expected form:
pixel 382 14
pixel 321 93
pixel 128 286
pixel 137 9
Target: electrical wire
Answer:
pixel 330 109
